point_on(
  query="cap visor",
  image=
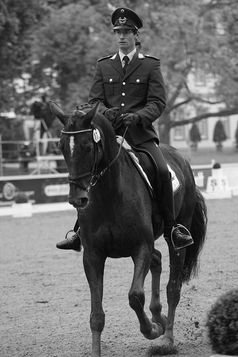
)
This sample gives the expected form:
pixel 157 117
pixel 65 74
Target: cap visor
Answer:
pixel 121 27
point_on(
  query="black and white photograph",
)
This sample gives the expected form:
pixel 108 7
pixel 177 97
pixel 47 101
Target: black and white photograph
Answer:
pixel 118 178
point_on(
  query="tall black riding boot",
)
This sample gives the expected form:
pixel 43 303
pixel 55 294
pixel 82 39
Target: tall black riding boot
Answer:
pixel 179 235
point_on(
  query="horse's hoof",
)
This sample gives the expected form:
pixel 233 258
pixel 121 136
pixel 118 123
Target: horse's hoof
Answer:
pixel 162 320
pixel 155 331
pixel 165 346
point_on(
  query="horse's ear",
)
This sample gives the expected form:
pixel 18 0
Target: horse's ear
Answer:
pixel 91 114
pixel 55 109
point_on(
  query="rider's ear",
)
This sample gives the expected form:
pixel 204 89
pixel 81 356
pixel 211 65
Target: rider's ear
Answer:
pixel 55 109
pixel 91 114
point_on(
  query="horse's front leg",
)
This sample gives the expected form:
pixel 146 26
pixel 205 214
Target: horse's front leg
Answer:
pixel 94 269
pixel 142 262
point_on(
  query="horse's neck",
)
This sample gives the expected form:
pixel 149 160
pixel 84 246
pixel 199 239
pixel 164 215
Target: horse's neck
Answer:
pixel 111 167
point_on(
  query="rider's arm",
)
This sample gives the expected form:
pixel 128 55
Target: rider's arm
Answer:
pixel 156 95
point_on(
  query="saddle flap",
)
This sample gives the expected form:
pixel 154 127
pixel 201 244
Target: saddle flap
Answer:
pixel 141 170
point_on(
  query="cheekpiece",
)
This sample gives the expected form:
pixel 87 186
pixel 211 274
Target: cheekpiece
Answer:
pixel 124 18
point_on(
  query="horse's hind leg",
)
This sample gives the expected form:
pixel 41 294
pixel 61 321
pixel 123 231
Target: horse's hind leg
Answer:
pixel 166 341
pixel 142 262
pixel 94 269
pixel 155 304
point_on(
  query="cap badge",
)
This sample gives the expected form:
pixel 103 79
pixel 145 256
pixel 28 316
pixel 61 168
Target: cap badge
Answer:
pixel 122 21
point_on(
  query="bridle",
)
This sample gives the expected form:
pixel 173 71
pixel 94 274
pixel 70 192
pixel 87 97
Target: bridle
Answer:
pixel 93 173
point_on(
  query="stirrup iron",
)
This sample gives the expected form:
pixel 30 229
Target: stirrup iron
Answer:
pixel 184 230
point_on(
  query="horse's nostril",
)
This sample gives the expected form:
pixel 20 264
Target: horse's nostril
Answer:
pixel 79 203
pixel 83 202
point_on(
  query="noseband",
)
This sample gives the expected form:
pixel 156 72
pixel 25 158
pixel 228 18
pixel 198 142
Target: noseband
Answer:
pixel 94 175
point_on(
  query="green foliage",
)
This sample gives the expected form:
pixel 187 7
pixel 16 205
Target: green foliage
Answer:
pixel 226 55
pixel 222 324
pixel 18 19
pixel 71 40
pixel 59 42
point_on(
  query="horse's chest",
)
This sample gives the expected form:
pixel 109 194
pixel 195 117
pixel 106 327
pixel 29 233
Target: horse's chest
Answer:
pixel 115 240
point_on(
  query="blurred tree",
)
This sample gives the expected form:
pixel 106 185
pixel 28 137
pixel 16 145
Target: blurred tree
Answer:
pixel 69 42
pixel 219 135
pixel 191 38
pixel 61 48
pixel 195 136
pixel 18 18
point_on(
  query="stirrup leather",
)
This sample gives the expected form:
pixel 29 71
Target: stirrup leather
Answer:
pixel 71 230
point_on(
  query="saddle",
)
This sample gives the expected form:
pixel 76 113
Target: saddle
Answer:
pixel 146 166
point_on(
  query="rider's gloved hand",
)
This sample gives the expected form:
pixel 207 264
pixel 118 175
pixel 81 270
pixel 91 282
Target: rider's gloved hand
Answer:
pixel 130 119
pixel 111 113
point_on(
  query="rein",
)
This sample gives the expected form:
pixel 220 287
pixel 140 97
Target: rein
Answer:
pixel 93 173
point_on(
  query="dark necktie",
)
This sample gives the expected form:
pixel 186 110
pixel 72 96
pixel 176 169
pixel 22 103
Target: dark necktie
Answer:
pixel 126 61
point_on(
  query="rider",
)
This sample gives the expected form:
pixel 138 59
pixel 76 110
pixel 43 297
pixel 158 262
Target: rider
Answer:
pixel 131 92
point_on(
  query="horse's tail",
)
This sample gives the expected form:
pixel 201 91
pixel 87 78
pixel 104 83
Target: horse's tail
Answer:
pixel 198 231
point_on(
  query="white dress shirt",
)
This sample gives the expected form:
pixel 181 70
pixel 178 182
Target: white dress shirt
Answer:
pixel 129 55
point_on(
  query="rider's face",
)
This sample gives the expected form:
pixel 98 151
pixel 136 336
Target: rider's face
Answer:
pixel 125 39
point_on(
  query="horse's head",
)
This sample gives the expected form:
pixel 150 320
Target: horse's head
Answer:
pixel 82 147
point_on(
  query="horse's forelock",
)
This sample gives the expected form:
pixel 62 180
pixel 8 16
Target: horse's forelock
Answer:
pixel 74 120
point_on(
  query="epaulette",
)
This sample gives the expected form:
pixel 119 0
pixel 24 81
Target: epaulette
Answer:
pixel 103 58
pixel 148 56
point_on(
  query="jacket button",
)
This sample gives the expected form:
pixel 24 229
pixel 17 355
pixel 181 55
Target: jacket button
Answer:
pixel 122 104
pixel 123 94
pixel 123 83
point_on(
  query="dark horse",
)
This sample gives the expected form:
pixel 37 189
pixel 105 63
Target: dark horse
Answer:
pixel 115 211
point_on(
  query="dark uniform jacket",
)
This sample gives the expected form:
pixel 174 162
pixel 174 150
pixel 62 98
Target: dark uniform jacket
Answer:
pixel 140 90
